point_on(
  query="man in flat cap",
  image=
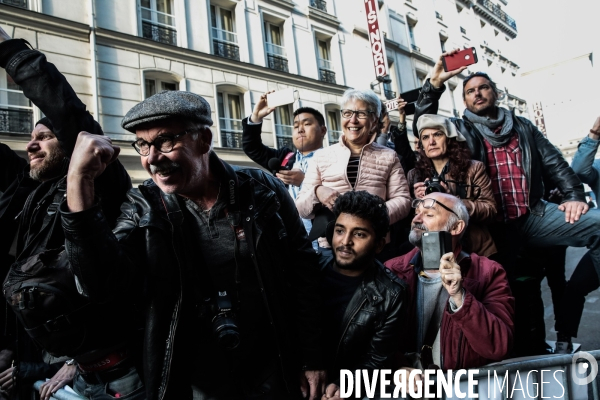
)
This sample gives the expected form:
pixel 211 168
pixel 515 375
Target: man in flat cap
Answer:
pixel 217 255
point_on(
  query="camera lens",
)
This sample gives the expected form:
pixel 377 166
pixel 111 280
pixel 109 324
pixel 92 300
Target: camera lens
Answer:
pixel 226 332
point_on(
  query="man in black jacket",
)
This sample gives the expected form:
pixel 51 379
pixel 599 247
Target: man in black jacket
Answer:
pixel 362 299
pixel 307 136
pixel 217 255
pixel 29 198
pixel 518 157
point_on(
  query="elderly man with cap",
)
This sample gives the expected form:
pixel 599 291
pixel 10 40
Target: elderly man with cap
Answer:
pixel 461 310
pixel 445 165
pixel 216 255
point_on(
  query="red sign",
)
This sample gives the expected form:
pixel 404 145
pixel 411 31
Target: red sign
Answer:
pixel 376 38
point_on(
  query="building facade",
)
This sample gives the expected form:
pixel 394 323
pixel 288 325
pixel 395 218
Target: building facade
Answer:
pixel 115 53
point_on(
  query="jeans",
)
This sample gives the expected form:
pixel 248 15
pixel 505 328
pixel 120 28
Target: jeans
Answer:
pixel 129 387
pixel 585 166
pixel 582 282
pixel 551 229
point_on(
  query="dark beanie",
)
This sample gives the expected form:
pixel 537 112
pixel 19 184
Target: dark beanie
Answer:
pixel 45 121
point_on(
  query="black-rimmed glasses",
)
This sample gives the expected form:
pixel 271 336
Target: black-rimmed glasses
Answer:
pixel 429 203
pixel 163 143
pixel 360 114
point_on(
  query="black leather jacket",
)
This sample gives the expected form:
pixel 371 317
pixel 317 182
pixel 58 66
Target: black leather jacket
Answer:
pixel 25 202
pixel 142 256
pixel 541 160
pixel 372 323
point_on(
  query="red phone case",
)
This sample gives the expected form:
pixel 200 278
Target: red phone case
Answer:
pixel 461 59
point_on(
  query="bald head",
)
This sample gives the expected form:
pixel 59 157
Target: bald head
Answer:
pixel 439 212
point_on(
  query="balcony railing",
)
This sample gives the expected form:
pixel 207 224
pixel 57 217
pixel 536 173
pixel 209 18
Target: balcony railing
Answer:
pixel 226 50
pixel 159 33
pixel 497 11
pixel 277 63
pixel 231 132
pixel 319 4
pixel 16 121
pixel 15 3
pixel 334 136
pixel 415 48
pixel 284 136
pixel 389 94
pixel 224 36
pixel 326 75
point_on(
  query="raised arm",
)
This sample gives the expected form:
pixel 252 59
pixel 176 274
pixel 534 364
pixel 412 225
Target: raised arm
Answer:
pixel 584 158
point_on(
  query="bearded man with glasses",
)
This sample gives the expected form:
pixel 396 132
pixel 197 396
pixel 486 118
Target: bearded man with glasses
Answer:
pixel 216 255
pixel 356 162
pixel 460 314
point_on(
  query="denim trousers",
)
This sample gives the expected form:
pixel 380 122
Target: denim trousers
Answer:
pixel 551 229
pixel 129 387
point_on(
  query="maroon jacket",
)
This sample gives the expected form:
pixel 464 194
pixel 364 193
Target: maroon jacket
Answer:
pixel 482 330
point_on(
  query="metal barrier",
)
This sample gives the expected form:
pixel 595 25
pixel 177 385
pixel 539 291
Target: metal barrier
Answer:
pixel 536 378
pixel 61 394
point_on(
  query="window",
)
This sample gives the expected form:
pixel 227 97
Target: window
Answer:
pixel 439 16
pixel 463 30
pixel 326 72
pixel 276 55
pixel 153 86
pixel 158 22
pixel 223 33
pixel 411 35
pixel 319 4
pixel 16 111
pixel 230 119
pixel 284 127
pixel 15 3
pixel 333 126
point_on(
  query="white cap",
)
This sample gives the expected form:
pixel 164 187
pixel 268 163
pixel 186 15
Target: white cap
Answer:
pixel 444 124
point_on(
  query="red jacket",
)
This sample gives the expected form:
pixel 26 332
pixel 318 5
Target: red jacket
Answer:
pixel 482 330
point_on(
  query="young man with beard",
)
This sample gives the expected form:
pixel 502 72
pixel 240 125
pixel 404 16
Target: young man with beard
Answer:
pixel 29 200
pixel 460 314
pixel 363 300
pixel 307 136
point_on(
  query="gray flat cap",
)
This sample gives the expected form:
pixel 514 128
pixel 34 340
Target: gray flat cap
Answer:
pixel 166 105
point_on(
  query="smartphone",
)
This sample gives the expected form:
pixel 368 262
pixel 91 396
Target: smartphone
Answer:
pixel 281 97
pixel 410 97
pixel 461 59
pixel 435 245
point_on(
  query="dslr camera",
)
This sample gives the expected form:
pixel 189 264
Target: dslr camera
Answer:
pixel 434 185
pixel 224 324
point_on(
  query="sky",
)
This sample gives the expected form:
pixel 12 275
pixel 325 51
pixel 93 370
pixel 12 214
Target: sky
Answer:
pixel 550 31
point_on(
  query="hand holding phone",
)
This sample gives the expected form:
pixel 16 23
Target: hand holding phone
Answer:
pixel 463 58
pixel 281 97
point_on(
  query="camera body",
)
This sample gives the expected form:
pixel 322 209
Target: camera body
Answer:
pixel 224 325
pixel 434 185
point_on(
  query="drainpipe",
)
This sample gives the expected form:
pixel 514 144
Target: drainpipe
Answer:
pixel 92 24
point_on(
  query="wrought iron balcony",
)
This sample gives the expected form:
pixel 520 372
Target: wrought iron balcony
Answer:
pixel 16 121
pixel 284 136
pixel 15 3
pixel 227 50
pixel 277 63
pixel 159 33
pixel 326 75
pixel 334 136
pixel 231 132
pixel 319 4
pixel 497 12
pixel 389 94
